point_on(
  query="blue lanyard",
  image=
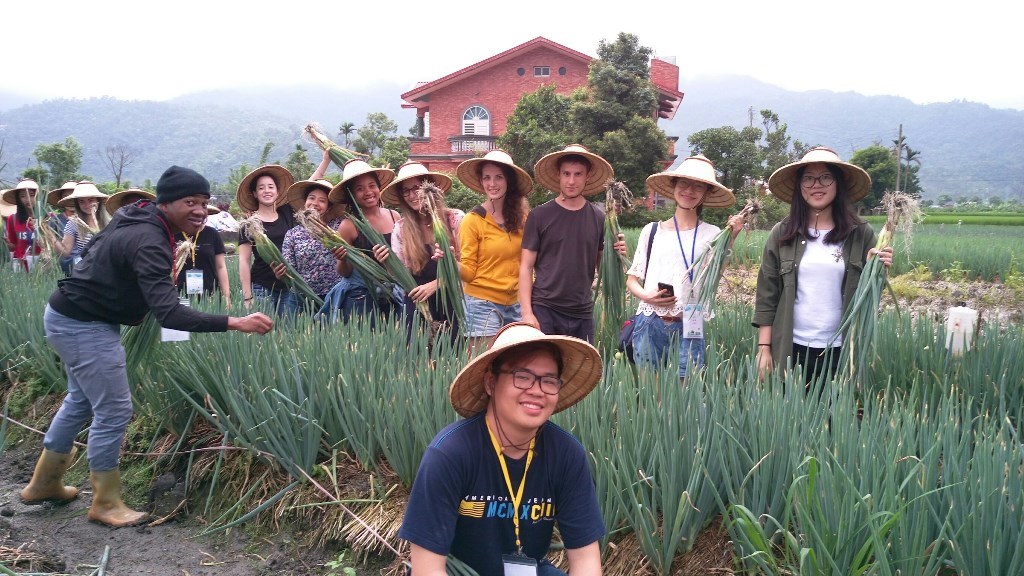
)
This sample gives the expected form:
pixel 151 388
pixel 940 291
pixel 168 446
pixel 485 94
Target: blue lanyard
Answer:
pixel 693 249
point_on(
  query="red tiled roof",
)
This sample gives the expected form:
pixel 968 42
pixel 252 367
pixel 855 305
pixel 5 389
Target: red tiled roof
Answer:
pixel 427 88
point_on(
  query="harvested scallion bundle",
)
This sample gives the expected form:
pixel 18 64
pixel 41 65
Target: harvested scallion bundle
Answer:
pixel 252 227
pixel 448 280
pixel 711 263
pixel 338 154
pixel 611 270
pixel 400 274
pixel 369 269
pixel 858 323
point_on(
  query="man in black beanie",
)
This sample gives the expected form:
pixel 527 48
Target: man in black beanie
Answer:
pixel 124 273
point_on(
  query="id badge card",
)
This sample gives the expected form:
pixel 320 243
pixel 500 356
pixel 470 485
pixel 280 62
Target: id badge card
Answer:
pixel 172 335
pixel 193 282
pixel 693 321
pixel 518 565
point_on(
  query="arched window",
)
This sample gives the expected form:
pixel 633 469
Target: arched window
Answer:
pixel 476 121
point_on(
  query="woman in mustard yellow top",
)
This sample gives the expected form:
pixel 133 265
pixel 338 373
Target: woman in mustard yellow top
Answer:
pixel 490 239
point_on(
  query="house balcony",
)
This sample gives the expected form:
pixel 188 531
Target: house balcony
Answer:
pixel 471 143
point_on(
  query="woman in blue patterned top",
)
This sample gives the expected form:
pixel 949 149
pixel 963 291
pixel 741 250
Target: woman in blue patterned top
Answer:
pixel 309 257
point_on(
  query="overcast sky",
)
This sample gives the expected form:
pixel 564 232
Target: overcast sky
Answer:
pixel 158 50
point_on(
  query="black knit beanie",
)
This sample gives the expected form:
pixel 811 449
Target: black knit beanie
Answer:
pixel 177 183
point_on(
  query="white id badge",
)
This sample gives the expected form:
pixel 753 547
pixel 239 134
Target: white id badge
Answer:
pixel 171 335
pixel 193 281
pixel 518 565
pixel 693 321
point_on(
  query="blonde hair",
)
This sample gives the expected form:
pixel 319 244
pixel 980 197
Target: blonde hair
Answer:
pixel 412 235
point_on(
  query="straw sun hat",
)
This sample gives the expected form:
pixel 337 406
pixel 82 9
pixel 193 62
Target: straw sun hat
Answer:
pixel 11 196
pixel 580 373
pixel 353 169
pixel 699 169
pixel 118 199
pixel 54 196
pixel 546 170
pixel 783 184
pixel 296 198
pixel 468 172
pixel 412 169
pixel 282 177
pixel 83 189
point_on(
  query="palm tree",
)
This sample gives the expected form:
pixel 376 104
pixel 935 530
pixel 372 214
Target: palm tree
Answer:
pixel 910 156
pixel 346 130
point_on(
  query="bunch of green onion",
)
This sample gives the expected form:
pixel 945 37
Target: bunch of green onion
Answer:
pixel 859 320
pixel 369 269
pixel 711 263
pixel 398 271
pixel 448 280
pixel 253 228
pixel 611 279
pixel 339 155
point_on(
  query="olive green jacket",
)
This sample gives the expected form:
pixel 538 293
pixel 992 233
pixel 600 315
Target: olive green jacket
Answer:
pixel 776 282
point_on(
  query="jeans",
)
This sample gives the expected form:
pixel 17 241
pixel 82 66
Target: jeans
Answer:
pixel 280 301
pixel 97 388
pixel 485 318
pixel 653 339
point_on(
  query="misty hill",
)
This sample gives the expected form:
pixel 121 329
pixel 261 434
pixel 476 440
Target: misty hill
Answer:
pixel 965 148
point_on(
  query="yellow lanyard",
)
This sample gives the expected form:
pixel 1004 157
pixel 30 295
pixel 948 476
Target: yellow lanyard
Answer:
pixel 194 242
pixel 517 495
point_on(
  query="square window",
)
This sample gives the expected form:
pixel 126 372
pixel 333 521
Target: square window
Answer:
pixel 542 71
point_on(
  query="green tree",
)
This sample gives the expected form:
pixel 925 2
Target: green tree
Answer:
pixel 346 130
pixel 735 153
pixel 395 152
pixel 880 164
pixel 62 160
pixel 371 138
pixel 617 119
pixel 265 154
pixel 540 123
pixel 462 197
pixel 995 201
pixel 943 199
pixel 298 163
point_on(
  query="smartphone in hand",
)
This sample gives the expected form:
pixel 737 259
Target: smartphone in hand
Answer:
pixel 669 291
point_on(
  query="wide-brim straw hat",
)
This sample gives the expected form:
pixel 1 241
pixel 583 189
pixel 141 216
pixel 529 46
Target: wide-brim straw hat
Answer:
pixel 353 169
pixel 699 169
pixel 282 177
pixel 6 208
pixel 581 368
pixel 54 196
pixel 546 170
pixel 11 196
pixel 82 190
pixel 783 184
pixel 297 198
pixel 118 199
pixel 412 169
pixel 468 172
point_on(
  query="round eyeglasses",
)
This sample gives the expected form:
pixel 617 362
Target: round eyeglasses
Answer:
pixel 524 380
pixel 826 179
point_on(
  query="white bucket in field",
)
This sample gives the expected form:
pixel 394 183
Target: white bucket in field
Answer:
pixel 960 325
pixel 172 335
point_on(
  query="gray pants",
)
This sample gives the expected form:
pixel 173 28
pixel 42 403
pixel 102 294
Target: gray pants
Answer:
pixel 97 388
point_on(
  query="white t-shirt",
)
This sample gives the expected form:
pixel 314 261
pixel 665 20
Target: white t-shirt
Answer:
pixel 818 309
pixel 667 263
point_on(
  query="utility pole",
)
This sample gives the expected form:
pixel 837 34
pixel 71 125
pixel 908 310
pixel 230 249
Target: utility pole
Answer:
pixel 899 156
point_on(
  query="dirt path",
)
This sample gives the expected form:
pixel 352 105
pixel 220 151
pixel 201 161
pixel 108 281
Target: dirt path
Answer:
pixel 62 540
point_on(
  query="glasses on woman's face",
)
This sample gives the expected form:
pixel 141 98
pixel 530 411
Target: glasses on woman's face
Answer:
pixel 410 190
pixel 524 380
pixel 826 179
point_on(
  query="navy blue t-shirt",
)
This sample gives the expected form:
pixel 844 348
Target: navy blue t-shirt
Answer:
pixel 460 504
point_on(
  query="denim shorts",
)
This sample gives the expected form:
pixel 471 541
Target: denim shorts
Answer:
pixel 485 318
pixel 653 337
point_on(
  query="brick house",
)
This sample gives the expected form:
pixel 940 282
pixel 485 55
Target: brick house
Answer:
pixel 461 115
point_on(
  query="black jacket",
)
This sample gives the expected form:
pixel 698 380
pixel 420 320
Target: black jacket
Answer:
pixel 125 272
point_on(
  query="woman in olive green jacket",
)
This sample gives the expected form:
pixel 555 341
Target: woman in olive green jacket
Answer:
pixel 812 263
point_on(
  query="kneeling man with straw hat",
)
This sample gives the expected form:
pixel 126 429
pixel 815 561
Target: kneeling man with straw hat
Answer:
pixel 491 487
pixel 124 273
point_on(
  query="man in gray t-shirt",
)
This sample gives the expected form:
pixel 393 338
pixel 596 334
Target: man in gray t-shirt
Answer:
pixel 562 244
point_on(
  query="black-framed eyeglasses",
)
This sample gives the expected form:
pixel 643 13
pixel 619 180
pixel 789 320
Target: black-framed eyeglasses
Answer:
pixel 826 179
pixel 410 191
pixel 524 380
